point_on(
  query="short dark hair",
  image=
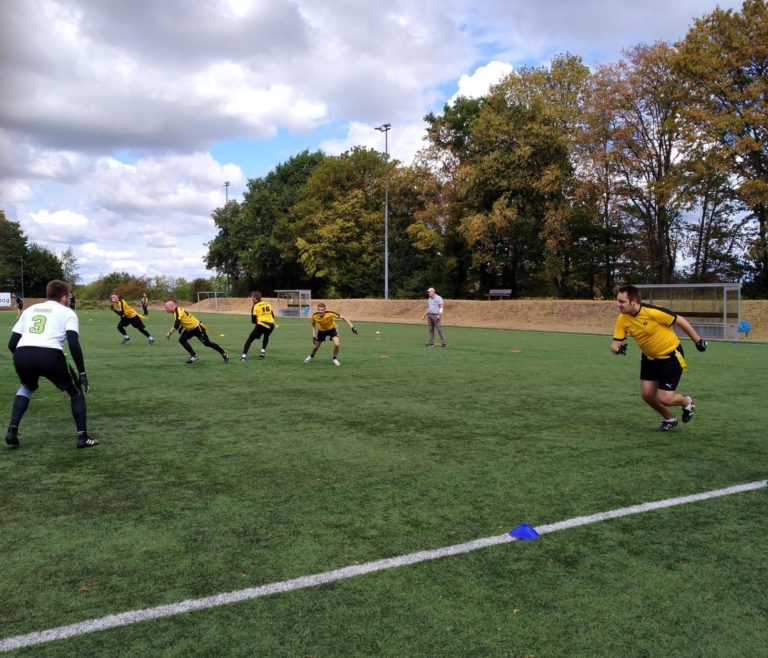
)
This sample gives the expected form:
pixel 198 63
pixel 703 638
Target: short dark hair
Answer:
pixel 56 289
pixel 633 294
pixel 256 293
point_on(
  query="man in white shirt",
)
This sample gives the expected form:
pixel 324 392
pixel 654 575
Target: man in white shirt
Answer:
pixel 37 345
pixel 434 316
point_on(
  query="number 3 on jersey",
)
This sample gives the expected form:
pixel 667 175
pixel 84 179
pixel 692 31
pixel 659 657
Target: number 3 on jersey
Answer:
pixel 38 324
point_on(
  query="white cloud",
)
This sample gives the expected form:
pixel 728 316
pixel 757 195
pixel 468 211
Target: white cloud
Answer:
pixel 478 84
pixel 109 110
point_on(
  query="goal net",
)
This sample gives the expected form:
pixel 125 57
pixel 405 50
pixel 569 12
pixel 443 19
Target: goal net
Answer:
pixel 211 300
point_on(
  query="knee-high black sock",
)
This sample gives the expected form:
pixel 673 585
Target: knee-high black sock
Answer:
pixel 20 404
pixel 78 411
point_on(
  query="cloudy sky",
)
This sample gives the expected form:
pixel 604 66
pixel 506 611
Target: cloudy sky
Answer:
pixel 120 120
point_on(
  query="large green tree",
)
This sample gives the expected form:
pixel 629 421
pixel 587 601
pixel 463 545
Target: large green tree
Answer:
pixel 724 62
pixel 13 251
pixel 250 245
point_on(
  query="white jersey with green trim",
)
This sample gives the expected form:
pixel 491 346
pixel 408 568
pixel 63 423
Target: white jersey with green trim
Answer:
pixel 46 325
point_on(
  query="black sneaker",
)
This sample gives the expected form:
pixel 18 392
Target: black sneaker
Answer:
pixel 225 356
pixel 12 437
pixel 243 357
pixel 688 413
pixel 192 359
pixel 85 441
pixel 667 425
pixel 262 354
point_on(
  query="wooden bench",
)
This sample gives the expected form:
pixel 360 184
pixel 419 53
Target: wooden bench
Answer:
pixel 500 293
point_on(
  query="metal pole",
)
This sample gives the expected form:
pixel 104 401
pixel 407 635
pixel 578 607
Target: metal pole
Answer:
pixel 226 192
pixel 385 129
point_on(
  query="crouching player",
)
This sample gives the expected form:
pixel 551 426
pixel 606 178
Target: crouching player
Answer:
pixel 37 345
pixel 188 327
pixel 324 326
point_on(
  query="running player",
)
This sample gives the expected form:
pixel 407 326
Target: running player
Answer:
pixel 190 327
pixel 264 319
pixel 128 316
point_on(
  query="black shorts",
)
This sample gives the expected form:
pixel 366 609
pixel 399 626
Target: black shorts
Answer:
pixel 260 329
pixel 135 321
pixel 667 372
pixel 34 362
pixel 331 333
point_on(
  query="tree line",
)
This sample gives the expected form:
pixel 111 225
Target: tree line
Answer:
pixel 26 268
pixel 561 181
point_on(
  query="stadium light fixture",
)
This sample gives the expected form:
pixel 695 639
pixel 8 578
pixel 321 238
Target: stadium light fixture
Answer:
pixel 385 129
pixel 226 192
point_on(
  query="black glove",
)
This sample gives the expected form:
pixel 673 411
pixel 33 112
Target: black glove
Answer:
pixel 621 350
pixel 84 385
pixel 354 330
pixel 701 345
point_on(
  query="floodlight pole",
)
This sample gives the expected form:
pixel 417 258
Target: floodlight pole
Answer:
pixel 226 192
pixel 385 129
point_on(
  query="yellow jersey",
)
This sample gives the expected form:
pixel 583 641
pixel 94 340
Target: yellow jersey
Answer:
pixel 651 327
pixel 184 319
pixel 124 309
pixel 261 313
pixel 325 321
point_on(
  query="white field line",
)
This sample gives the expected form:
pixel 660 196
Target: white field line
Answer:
pixel 135 616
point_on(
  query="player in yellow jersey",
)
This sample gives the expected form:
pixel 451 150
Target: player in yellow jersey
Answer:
pixel 188 327
pixel 662 362
pixel 128 317
pixel 264 319
pixel 324 326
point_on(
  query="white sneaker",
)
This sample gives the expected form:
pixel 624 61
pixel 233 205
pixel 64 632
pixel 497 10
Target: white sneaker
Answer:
pixel 262 353
pixel 243 357
pixel 151 340
pixel 335 361
pixel 308 359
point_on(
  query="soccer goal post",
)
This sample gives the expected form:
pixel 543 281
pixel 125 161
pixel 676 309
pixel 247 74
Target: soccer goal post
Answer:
pixel 218 299
pixel 293 303
pixel 713 309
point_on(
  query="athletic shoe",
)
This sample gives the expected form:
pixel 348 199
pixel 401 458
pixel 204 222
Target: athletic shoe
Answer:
pixel 667 425
pixel 243 357
pixel 125 339
pixel 688 413
pixel 85 441
pixel 12 437
pixel 309 359
pixel 442 345
pixel 335 361
pixel 262 353
pixel 192 359
pixel 225 356
pixel 430 345
pixel 151 341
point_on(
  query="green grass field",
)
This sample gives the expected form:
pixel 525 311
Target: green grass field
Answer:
pixel 216 476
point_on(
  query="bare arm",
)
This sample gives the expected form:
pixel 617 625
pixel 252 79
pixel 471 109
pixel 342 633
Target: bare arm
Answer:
pixel 688 329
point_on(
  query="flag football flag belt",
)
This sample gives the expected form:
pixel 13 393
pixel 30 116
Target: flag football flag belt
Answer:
pixel 676 353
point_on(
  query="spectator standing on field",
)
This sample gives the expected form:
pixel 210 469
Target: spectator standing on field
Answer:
pixel 264 319
pixel 19 306
pixel 662 362
pixel 324 326
pixel 37 345
pixel 145 304
pixel 128 316
pixel 434 317
pixel 190 327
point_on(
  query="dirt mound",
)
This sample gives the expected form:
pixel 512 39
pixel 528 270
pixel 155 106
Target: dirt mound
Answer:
pixel 579 316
